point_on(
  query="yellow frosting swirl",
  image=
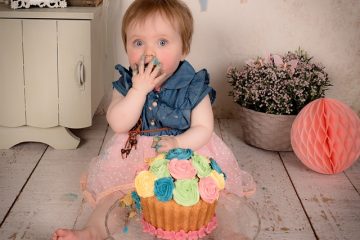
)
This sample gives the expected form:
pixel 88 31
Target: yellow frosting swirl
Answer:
pixel 218 178
pixel 159 156
pixel 144 184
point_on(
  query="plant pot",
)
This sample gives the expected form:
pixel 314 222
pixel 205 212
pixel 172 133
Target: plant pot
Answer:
pixel 266 131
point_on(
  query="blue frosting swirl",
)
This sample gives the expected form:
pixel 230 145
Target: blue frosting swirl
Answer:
pixel 179 153
pixel 163 189
pixel 216 167
pixel 136 198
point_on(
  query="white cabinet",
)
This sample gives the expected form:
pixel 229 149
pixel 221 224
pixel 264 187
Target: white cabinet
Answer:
pixel 50 74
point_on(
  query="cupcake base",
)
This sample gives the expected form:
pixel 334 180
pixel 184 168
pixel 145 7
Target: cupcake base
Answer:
pixel 236 220
pixel 170 216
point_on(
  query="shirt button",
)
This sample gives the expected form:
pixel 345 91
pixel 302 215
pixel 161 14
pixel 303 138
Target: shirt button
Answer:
pixel 154 104
pixel 152 122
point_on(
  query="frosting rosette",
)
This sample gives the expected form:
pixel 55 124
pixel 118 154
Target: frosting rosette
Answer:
pixel 181 169
pixel 211 226
pixel 136 198
pixel 179 153
pixel 208 189
pixel 159 168
pixel 201 232
pixel 163 189
pixel 218 178
pixel 216 167
pixel 186 192
pixel 201 164
pixel 181 235
pixel 193 235
pixel 159 156
pixel 144 184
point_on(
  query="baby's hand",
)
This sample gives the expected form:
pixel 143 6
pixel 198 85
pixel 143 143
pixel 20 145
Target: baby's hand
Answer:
pixel 166 143
pixel 146 78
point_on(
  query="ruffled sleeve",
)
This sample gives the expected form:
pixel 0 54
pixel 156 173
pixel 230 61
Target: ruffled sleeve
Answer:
pixel 199 88
pixel 124 83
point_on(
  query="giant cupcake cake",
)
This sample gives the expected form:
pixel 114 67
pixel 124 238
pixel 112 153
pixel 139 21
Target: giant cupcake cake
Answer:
pixel 178 194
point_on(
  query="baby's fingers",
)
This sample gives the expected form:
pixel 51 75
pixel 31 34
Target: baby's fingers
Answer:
pixel 161 78
pixel 162 146
pixel 156 71
pixel 150 67
pixel 141 66
pixel 167 143
pixel 135 69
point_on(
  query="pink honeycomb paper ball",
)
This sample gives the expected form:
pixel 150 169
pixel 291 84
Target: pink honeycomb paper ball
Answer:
pixel 325 136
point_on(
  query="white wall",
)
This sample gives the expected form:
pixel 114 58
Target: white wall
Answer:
pixel 231 31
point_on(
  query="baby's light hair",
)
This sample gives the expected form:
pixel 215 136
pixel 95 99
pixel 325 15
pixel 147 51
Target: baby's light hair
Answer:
pixel 175 10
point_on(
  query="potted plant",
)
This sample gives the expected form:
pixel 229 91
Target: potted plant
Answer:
pixel 271 92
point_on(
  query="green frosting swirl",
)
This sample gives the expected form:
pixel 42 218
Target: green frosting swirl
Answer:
pixel 202 165
pixel 186 192
pixel 159 168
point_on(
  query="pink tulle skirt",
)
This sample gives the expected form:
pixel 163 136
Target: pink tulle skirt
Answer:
pixel 109 172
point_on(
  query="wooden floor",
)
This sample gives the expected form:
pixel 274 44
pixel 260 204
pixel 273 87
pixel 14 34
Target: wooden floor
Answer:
pixel 39 189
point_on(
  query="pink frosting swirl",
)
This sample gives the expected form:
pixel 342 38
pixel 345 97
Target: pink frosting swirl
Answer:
pixel 201 232
pixel 181 169
pixel 211 226
pixel 152 230
pixel 161 233
pixel 146 226
pixel 169 235
pixel 181 235
pixel 193 235
pixel 209 192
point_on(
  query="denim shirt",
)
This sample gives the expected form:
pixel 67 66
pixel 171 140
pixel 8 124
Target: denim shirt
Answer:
pixel 171 106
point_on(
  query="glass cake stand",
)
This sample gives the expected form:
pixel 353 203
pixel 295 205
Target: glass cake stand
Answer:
pixel 236 218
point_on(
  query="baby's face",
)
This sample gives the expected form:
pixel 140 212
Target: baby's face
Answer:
pixel 156 37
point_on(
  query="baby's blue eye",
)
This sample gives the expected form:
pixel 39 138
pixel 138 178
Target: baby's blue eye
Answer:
pixel 163 42
pixel 138 43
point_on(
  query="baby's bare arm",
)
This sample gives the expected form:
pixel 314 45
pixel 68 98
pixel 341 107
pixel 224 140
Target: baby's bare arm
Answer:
pixel 201 128
pixel 124 111
pixel 199 133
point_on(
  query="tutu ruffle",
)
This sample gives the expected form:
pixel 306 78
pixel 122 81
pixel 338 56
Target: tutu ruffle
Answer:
pixel 109 172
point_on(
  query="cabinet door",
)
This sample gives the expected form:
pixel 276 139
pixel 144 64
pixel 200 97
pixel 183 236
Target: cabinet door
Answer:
pixel 12 100
pixel 40 68
pixel 74 73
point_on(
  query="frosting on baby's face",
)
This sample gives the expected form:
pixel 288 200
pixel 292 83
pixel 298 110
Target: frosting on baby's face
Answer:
pixel 155 39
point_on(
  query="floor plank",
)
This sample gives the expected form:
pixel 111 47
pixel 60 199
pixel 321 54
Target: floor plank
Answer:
pixel 52 197
pixel 282 216
pixel 16 165
pixel 353 174
pixel 330 201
